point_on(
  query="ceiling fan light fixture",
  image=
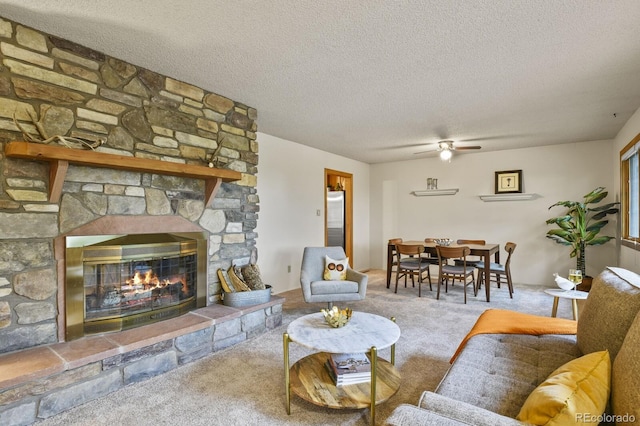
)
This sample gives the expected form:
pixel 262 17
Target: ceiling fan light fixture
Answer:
pixel 445 154
pixel 442 145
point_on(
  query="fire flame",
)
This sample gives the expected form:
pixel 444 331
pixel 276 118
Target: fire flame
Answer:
pixel 151 281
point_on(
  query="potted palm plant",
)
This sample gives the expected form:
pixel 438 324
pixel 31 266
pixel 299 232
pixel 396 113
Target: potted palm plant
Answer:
pixel 580 225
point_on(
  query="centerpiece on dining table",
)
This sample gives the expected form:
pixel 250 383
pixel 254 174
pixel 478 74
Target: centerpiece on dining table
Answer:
pixel 443 241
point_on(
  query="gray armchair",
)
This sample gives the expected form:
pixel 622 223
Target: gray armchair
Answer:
pixel 316 289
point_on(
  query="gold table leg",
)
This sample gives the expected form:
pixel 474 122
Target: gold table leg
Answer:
pixel 374 364
pixel 554 310
pixel 574 305
pixel 393 348
pixel 287 381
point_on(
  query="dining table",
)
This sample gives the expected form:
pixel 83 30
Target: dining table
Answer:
pixel 482 250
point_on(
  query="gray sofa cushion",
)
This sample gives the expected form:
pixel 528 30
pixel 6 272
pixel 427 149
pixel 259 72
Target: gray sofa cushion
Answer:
pixel 410 415
pixel 613 302
pixel 436 410
pixel 625 376
pixel 463 412
pixel 497 372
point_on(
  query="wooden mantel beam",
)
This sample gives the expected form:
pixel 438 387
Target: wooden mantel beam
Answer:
pixel 60 157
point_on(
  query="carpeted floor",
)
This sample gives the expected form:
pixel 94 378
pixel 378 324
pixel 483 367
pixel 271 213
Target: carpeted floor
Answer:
pixel 244 384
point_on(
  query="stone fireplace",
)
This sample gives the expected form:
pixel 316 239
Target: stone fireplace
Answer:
pixel 173 158
pixel 176 169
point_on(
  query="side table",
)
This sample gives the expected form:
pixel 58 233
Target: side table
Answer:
pixel 573 295
pixel 365 333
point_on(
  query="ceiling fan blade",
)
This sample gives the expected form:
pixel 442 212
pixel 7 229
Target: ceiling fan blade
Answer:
pixel 428 148
pixel 428 151
pixel 464 148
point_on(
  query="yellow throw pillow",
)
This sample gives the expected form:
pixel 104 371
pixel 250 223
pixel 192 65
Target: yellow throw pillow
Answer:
pixel 576 393
pixel 335 269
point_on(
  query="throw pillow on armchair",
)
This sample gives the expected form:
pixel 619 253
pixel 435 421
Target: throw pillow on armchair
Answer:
pixel 335 269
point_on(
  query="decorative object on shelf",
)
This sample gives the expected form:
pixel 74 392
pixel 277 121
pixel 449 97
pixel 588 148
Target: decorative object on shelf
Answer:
pixel 214 161
pixel 337 317
pixel 68 141
pixel 563 283
pixel 508 182
pixel 580 225
pixel 432 183
pixel 508 197
pixel 443 241
pixel 426 192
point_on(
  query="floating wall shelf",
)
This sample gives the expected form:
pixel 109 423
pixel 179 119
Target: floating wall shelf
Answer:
pixel 508 197
pixel 59 157
pixel 428 192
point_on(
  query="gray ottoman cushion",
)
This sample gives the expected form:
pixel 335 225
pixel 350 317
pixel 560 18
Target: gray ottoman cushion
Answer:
pixel 612 305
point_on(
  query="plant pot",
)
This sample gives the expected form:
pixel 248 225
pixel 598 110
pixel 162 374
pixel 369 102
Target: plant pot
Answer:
pixel 585 285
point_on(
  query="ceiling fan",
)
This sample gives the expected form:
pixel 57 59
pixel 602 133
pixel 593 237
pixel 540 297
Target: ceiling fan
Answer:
pixel 446 148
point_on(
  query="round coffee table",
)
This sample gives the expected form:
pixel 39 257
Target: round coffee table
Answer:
pixel 573 295
pixel 365 333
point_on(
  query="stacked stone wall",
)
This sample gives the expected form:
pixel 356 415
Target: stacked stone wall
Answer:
pixel 53 87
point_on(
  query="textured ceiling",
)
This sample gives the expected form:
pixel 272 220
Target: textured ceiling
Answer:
pixel 375 80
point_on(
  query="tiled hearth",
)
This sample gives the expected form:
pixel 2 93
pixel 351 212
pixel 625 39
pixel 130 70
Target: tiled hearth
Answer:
pixel 44 381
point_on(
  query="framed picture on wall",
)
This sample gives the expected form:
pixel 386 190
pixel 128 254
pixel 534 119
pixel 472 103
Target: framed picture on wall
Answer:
pixel 509 181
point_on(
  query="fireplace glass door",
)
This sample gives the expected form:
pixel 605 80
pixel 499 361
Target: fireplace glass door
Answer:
pixel 132 280
pixel 136 286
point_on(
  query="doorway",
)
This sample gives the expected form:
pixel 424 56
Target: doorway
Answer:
pixel 338 210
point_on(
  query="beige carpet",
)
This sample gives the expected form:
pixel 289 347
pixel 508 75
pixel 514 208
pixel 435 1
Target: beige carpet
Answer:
pixel 244 385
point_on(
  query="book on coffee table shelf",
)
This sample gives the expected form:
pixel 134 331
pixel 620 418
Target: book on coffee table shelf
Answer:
pixel 347 369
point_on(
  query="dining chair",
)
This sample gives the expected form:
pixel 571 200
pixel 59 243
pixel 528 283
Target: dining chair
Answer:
pixel 475 259
pixel 428 256
pixel 393 246
pixel 455 272
pixel 411 263
pixel 496 270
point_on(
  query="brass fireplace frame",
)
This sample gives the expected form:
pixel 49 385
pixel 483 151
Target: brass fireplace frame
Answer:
pixel 128 247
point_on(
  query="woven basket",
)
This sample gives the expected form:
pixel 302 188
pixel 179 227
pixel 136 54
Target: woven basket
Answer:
pixel 247 298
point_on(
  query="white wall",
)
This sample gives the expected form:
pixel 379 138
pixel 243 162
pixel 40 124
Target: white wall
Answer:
pixel 561 172
pixel 291 189
pixel 629 258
